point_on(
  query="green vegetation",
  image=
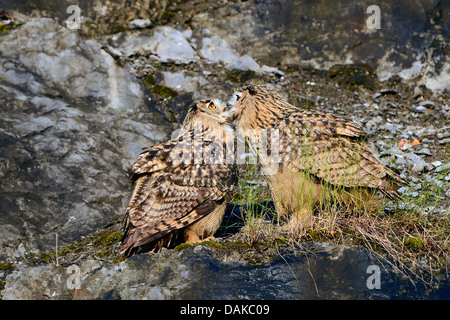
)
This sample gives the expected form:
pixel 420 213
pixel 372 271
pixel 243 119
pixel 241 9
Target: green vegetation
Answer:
pixel 239 76
pixel 402 230
pixel 164 91
pixel 353 76
pixel 102 244
pixel 149 79
pixel 119 29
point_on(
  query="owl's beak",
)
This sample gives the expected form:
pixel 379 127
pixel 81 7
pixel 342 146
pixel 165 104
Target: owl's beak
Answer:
pixel 228 107
pixel 230 112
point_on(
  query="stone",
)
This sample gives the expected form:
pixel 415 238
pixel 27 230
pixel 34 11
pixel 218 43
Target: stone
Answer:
pixel 424 151
pixel 72 124
pixel 216 49
pixel 198 273
pixel 81 68
pixel 140 23
pixel 420 108
pixel 437 163
pixel 163 43
pixel 180 82
pixel 418 164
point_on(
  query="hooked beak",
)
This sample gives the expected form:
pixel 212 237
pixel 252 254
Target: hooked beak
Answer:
pixel 230 112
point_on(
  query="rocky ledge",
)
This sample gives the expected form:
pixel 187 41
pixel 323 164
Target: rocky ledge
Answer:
pixel 79 104
pixel 222 270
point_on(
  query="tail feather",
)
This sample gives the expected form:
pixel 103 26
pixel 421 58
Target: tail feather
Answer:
pixel 162 234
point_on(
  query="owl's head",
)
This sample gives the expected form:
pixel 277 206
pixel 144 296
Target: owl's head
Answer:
pixel 208 112
pixel 254 99
pixel 248 96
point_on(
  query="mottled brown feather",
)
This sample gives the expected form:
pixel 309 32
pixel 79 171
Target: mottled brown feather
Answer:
pixel 329 149
pixel 178 195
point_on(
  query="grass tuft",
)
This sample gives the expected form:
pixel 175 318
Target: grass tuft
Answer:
pixel 414 241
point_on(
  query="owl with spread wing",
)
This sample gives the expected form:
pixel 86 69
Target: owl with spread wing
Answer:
pixel 308 157
pixel 181 186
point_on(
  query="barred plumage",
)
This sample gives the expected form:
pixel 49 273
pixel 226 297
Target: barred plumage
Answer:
pixel 318 156
pixel 180 192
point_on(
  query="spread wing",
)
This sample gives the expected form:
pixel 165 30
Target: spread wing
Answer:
pixel 173 189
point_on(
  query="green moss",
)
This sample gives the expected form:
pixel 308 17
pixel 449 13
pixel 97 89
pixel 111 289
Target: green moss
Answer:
pixel 182 246
pixel 322 234
pixel 164 91
pixel 5 266
pixel 348 230
pixel 118 29
pixel 413 243
pixel 212 244
pixel 149 79
pixel 281 240
pixel 236 245
pixel 103 254
pixel 168 15
pixel 353 75
pixel 3 28
pixel 240 76
pixel 107 239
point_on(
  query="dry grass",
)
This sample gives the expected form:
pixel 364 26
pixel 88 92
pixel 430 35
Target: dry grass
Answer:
pixel 414 242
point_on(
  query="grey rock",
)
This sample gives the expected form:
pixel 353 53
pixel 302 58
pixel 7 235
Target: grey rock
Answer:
pixel 436 163
pixel 420 109
pixel 245 63
pixel 418 164
pixel 96 76
pixel 215 49
pixel 445 134
pixel 443 167
pixel 163 43
pixel 295 33
pixel 140 23
pixel 332 272
pixel 424 151
pixel 181 82
pixel 72 124
pixel 427 103
pixel 392 128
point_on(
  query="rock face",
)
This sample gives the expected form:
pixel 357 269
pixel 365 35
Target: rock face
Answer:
pixel 78 105
pixel 72 124
pixel 199 273
pixel 320 34
pixel 410 40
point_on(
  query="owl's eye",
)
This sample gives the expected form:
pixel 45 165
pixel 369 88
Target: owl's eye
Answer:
pixel 212 106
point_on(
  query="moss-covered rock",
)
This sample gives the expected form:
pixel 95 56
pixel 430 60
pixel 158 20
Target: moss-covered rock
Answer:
pixel 164 91
pixel 240 76
pixel 353 76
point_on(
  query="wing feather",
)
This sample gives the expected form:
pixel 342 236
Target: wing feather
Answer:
pixel 172 191
pixel 329 147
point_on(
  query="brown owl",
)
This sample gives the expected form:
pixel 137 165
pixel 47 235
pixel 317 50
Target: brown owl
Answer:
pixel 308 157
pixel 181 185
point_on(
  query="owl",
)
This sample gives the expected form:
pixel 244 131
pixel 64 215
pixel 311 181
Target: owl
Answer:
pixel 308 157
pixel 181 186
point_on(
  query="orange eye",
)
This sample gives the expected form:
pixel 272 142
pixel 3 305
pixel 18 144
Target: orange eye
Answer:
pixel 212 106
